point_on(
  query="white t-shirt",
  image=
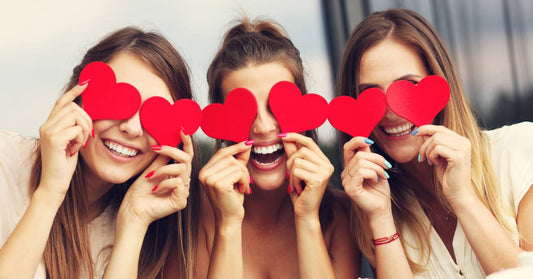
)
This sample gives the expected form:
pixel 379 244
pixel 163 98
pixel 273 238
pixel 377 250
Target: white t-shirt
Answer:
pixel 512 160
pixel 17 154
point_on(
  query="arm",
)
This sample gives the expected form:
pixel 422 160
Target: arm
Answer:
pixel 365 181
pixel 225 179
pixel 160 191
pixel 62 135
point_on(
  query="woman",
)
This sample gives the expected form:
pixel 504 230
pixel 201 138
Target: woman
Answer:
pixel 458 198
pixel 256 229
pixel 61 217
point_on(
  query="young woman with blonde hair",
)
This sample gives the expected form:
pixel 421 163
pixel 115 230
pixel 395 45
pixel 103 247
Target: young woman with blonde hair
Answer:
pixel 458 201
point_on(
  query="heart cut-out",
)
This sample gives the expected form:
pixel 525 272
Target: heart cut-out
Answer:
pixel 104 98
pixel 232 120
pixel 296 112
pixel 418 103
pixel 358 117
pixel 164 121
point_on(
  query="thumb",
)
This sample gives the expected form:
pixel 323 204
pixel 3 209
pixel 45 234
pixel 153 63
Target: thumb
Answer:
pixel 290 147
pixel 244 156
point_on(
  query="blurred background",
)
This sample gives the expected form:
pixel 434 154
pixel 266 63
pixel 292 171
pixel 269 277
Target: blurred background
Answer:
pixel 41 41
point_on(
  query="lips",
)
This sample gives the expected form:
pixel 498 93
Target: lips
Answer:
pixel 267 157
pixel 119 149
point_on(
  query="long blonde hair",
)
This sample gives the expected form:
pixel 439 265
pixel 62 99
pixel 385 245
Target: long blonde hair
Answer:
pixel 67 252
pixel 413 30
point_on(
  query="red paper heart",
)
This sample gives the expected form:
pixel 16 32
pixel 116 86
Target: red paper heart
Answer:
pixel 164 121
pixel 294 112
pixel 233 119
pixel 358 117
pixel 418 103
pixel 104 98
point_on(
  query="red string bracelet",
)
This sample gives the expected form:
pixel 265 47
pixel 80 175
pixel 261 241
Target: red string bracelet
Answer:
pixel 386 239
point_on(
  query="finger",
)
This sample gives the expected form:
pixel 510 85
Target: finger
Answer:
pixel 158 162
pixel 429 130
pixel 302 141
pixel 73 140
pixel 174 153
pixel 68 97
pixel 319 173
pixel 171 184
pixel 355 145
pixel 295 183
pixel 187 143
pixel 369 156
pixel 229 151
pixel 311 156
pixel 452 141
pixel 168 170
pixel 225 179
pixel 362 174
pixel 243 185
pixel 218 167
pixel 440 154
pixel 244 156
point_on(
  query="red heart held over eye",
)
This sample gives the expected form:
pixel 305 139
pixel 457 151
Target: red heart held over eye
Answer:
pixel 358 117
pixel 232 120
pixel 104 98
pixel 418 103
pixel 164 121
pixel 294 112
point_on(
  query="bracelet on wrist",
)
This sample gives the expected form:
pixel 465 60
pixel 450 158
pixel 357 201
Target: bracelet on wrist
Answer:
pixel 386 239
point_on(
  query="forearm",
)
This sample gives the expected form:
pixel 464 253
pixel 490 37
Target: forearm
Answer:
pixel 23 250
pixel 313 256
pixel 124 262
pixel 391 261
pixel 493 247
pixel 226 259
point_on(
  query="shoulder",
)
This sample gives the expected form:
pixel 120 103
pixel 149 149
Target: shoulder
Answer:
pixel 520 133
pixel 16 146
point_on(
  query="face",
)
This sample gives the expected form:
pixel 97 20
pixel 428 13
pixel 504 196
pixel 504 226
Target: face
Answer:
pixel 121 148
pixel 381 65
pixel 267 164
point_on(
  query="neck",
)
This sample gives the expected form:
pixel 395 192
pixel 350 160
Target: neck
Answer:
pixel 268 206
pixel 96 190
pixel 419 173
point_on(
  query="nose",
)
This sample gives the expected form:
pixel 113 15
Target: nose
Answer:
pixel 132 126
pixel 264 123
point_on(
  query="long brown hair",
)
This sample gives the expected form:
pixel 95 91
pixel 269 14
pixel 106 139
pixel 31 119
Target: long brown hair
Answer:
pixel 259 42
pixel 413 30
pixel 67 252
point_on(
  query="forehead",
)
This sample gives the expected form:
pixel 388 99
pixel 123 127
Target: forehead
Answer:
pixel 130 68
pixel 389 60
pixel 259 79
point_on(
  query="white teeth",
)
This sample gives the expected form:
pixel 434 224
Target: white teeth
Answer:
pixel 120 149
pixel 268 164
pixel 400 130
pixel 267 149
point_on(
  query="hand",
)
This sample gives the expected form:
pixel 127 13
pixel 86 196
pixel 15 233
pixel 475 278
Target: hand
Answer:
pixel 308 166
pixel 450 153
pixel 62 135
pixel 162 188
pixel 225 179
pixel 364 178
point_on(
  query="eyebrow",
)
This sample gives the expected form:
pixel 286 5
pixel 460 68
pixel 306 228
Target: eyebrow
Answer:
pixel 363 86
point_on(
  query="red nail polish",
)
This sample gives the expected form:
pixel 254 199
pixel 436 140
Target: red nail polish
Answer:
pixel 249 142
pixel 155 188
pixel 287 175
pixel 148 175
pixel 84 82
pixel 72 154
pixel 156 147
pixel 184 131
pixel 92 133
pixel 289 189
pixel 85 144
pixel 250 190
pixel 251 180
pixel 282 135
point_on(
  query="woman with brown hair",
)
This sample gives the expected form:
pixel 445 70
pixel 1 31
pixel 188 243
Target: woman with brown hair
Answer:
pixel 98 186
pixel 445 200
pixel 269 226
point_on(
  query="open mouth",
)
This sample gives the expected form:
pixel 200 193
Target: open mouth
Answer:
pixel 120 150
pixel 265 156
pixel 398 131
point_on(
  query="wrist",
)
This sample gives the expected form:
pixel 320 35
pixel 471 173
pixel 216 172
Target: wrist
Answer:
pixel 382 224
pixel 50 199
pixel 228 228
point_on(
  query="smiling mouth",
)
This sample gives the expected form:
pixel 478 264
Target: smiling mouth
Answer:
pixel 267 155
pixel 398 131
pixel 120 150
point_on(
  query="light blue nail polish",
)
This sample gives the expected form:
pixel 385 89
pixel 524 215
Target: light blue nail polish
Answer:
pixel 419 159
pixel 414 132
pixel 387 175
pixel 377 180
pixel 387 164
pixel 369 141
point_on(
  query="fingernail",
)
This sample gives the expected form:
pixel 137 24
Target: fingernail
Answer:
pixel 289 189
pixel 84 82
pixel 251 180
pixel 72 154
pixel 282 135
pixel 419 159
pixel 287 175
pixel 85 144
pixel 369 141
pixel 250 190
pixel 388 164
pixel 183 130
pixel 387 175
pixel 156 147
pixel 155 188
pixel 148 175
pixel 92 133
pixel 249 142
pixel 377 180
pixel 414 132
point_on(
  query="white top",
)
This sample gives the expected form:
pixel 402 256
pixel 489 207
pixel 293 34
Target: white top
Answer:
pixel 512 160
pixel 16 160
